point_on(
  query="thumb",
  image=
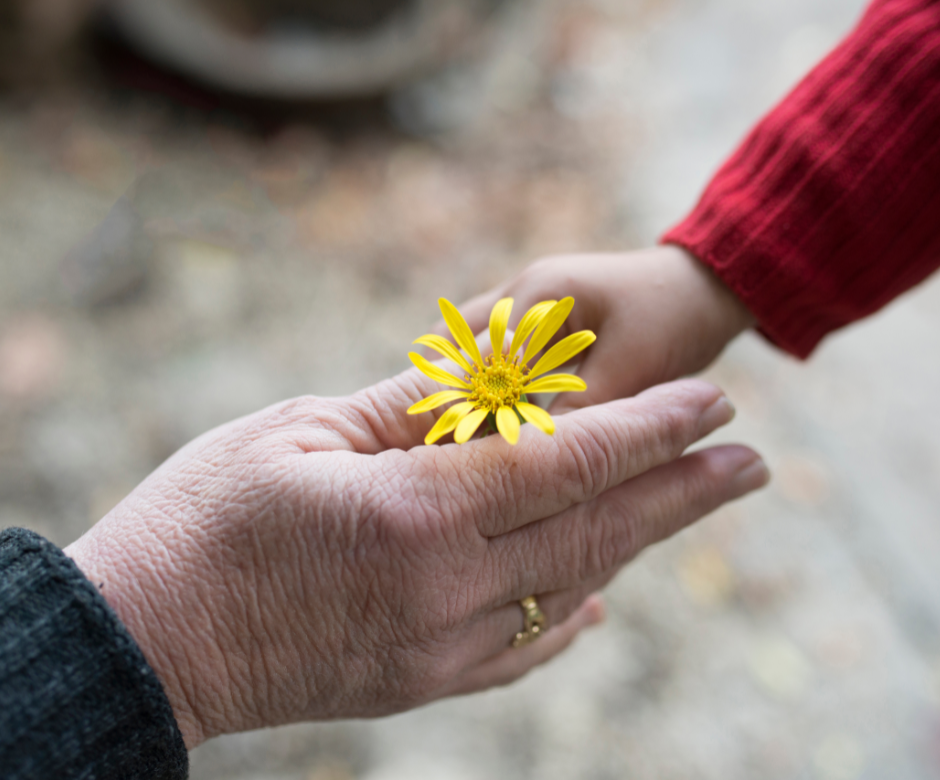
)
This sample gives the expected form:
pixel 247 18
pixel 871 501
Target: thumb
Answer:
pixel 383 408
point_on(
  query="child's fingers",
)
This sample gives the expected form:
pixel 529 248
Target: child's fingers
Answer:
pixel 609 374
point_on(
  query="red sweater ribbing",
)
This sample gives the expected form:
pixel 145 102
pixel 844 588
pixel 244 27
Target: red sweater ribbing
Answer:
pixel 831 206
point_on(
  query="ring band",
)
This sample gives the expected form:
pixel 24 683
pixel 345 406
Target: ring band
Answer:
pixel 534 622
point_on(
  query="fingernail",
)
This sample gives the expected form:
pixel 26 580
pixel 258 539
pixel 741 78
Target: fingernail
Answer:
pixel 750 476
pixel 719 413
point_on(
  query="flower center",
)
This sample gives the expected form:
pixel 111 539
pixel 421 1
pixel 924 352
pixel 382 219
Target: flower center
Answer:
pixel 498 384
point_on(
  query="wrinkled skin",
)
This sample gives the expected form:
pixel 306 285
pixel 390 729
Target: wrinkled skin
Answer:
pixel 311 561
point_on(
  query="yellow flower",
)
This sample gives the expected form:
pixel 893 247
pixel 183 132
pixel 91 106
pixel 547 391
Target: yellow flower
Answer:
pixel 496 386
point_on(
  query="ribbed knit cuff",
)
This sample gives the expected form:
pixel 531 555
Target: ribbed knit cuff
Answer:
pixel 831 207
pixel 77 697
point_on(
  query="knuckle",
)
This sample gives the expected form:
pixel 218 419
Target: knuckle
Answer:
pixel 518 563
pixel 301 404
pixel 411 507
pixel 295 410
pixel 696 490
pixel 389 496
pixel 472 483
pixel 705 483
pixel 378 406
pixel 441 670
pixel 452 480
pixel 401 502
pixel 658 435
pixel 595 457
pixel 424 631
pixel 613 539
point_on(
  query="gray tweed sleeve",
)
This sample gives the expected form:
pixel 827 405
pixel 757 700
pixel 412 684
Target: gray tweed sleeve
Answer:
pixel 77 697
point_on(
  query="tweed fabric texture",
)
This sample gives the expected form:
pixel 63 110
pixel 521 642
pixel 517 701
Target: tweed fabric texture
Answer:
pixel 77 697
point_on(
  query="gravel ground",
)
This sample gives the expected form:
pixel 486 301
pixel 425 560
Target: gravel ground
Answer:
pixel 164 269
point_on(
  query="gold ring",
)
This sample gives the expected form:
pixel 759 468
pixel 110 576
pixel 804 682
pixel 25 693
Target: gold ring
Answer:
pixel 534 622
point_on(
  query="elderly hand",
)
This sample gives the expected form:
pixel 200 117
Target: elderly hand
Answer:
pixel 310 561
pixel 659 314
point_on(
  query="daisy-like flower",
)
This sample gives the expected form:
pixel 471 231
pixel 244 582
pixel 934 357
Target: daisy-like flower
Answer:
pixel 496 387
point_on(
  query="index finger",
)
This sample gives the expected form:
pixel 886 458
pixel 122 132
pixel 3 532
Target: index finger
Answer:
pixel 504 487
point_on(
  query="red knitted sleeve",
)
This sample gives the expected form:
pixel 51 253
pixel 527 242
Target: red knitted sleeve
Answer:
pixel 831 206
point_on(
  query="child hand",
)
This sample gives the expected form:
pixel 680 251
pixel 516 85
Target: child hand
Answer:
pixel 659 314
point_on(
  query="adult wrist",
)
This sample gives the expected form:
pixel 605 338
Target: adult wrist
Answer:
pixel 123 586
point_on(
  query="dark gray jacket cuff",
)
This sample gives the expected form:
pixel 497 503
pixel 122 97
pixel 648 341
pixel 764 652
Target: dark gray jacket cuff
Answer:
pixel 77 697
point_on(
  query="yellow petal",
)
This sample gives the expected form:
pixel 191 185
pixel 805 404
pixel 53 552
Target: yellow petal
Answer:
pixel 469 424
pixel 499 319
pixel 537 416
pixel 528 323
pixel 447 349
pixel 563 351
pixel 508 424
pixel 438 399
pixel 461 331
pixel 427 368
pixel 448 421
pixel 557 383
pixel 548 327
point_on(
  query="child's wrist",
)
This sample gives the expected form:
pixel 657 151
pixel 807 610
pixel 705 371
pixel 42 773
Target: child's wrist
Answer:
pixel 726 313
pixel 699 313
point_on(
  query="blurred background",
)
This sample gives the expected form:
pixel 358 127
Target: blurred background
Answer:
pixel 207 206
